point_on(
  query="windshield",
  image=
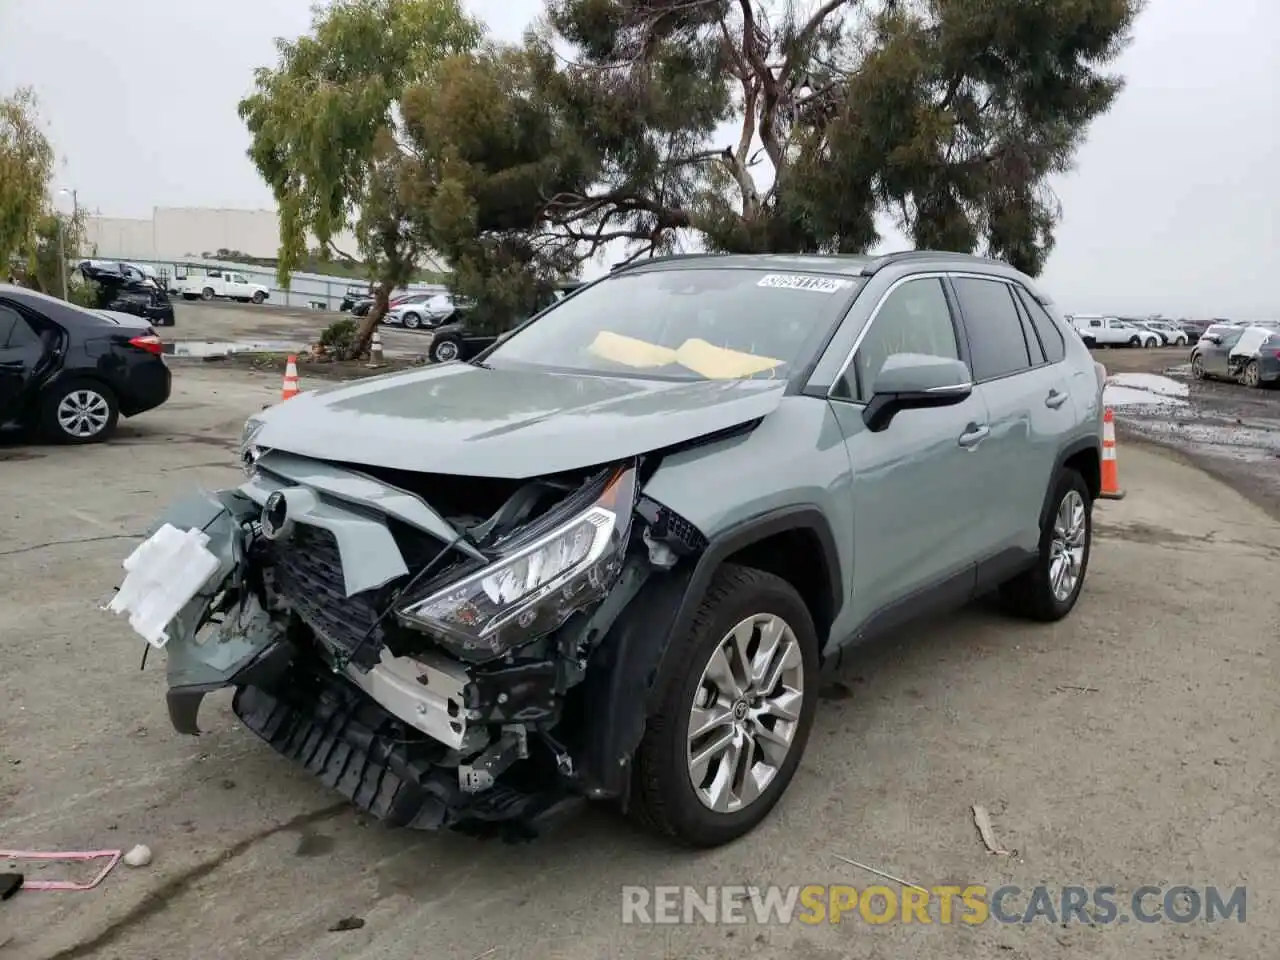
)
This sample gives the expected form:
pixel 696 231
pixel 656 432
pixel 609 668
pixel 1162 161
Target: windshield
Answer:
pixel 686 324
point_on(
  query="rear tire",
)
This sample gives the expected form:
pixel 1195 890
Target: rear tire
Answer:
pixel 412 321
pixel 1249 376
pixel 78 411
pixel 664 797
pixel 1033 594
pixel 206 293
pixel 258 296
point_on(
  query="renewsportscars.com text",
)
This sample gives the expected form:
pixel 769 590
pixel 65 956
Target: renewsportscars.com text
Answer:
pixel 970 905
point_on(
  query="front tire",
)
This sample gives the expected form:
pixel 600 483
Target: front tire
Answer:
pixel 79 411
pixel 412 321
pixel 258 296
pixel 1197 367
pixel 1049 590
pixel 444 349
pixel 206 293
pixel 737 697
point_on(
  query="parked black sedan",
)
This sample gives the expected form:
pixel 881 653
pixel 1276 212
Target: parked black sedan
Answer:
pixel 71 373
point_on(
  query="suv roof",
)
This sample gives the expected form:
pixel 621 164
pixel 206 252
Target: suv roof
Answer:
pixel 852 265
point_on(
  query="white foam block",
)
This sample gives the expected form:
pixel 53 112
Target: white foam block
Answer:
pixel 162 576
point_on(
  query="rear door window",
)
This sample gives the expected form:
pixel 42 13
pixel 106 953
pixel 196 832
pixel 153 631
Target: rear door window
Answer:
pixel 997 343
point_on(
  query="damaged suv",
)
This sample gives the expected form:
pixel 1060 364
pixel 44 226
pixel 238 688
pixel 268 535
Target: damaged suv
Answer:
pixel 610 557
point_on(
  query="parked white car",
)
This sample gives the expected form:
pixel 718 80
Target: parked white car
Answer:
pixel 1170 333
pixel 422 310
pixel 1113 332
pixel 409 311
pixel 224 284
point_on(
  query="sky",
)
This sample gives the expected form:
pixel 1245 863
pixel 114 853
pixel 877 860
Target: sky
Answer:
pixel 1172 207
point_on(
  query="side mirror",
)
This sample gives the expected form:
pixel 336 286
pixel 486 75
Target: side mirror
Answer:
pixel 912 381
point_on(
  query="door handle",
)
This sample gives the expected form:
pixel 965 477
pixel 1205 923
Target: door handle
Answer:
pixel 973 435
pixel 1055 399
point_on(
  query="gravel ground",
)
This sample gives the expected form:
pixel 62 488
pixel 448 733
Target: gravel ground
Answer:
pixel 1132 744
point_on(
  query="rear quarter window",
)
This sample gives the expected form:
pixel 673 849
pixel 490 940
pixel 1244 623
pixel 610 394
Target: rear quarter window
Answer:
pixel 1048 331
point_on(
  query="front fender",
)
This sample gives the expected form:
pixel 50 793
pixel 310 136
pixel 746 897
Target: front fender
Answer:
pixel 199 661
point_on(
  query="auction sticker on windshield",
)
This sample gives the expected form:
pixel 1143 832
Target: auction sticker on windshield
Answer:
pixel 797 281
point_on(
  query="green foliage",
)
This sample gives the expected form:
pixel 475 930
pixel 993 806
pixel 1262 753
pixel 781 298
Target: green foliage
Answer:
pixel 85 293
pixel 949 115
pixel 26 168
pixel 46 258
pixel 339 338
pixel 324 127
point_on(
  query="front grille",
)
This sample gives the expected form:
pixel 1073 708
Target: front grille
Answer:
pixel 309 576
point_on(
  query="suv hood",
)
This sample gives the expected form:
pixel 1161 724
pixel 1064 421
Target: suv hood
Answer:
pixel 513 424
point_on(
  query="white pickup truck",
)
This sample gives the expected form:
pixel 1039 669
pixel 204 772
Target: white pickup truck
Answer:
pixel 1113 332
pixel 220 283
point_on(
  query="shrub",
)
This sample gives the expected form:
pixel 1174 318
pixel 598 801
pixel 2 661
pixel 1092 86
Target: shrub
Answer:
pixel 340 338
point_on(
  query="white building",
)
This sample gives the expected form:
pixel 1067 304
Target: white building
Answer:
pixel 175 233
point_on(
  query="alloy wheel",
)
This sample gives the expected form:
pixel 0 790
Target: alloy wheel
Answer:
pixel 1066 548
pixel 446 351
pixel 83 413
pixel 1197 368
pixel 746 713
pixel 1251 374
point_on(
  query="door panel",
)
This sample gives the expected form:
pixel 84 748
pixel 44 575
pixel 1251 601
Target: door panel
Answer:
pixel 20 353
pixel 1214 355
pixel 1028 402
pixel 911 481
pixel 912 524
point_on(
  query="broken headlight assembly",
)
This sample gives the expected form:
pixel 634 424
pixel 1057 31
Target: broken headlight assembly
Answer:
pixel 564 563
pixel 249 451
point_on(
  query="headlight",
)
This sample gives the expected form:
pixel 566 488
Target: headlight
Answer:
pixel 537 584
pixel 249 451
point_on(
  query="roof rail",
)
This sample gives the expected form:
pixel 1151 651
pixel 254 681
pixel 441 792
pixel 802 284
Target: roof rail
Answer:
pixel 905 256
pixel 665 258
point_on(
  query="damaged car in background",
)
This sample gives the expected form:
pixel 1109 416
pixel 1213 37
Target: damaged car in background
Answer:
pixel 127 288
pixel 609 557
pixel 1246 353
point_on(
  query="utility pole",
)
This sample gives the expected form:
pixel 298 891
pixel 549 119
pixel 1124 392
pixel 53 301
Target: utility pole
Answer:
pixel 62 252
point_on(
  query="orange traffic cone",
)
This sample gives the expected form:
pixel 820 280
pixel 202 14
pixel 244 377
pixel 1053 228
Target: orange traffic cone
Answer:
pixel 1110 472
pixel 290 388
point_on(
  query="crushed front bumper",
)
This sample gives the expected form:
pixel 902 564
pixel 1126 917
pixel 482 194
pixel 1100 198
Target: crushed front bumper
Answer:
pixel 417 740
pixel 358 748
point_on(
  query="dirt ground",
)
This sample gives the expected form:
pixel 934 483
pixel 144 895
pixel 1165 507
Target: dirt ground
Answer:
pixel 1132 744
pixel 1224 428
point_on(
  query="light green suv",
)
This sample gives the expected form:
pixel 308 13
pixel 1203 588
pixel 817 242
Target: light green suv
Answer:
pixel 611 557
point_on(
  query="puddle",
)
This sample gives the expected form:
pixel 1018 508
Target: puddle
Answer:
pixel 224 348
pixel 1144 389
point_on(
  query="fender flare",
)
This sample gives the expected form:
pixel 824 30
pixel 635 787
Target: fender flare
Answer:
pixel 1081 445
pixel 620 688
